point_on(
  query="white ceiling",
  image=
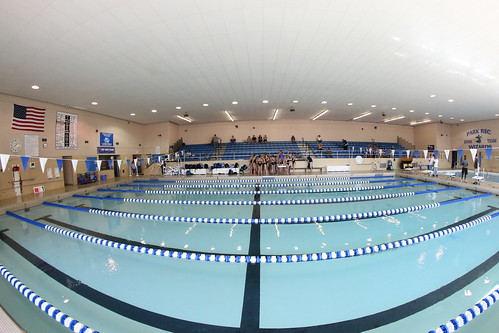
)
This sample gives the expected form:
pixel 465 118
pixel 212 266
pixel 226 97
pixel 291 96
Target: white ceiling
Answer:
pixel 134 56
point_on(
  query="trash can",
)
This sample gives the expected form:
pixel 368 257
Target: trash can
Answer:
pixel 103 177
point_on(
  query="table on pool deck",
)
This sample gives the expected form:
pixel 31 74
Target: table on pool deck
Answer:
pixel 450 174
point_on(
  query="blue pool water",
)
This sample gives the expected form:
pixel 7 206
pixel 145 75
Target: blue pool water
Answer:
pixel 412 288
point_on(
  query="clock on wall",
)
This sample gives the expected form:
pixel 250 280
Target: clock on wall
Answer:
pixel 15 145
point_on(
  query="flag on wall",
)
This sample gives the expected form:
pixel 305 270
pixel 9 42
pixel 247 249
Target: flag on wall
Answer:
pixel 28 118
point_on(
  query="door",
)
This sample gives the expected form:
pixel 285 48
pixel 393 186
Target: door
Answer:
pixel 67 170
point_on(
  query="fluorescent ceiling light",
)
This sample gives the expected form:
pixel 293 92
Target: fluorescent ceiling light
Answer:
pixel 411 110
pixel 373 106
pixel 178 107
pixel 235 102
pixel 35 87
pixel 362 115
pixel 132 114
pixel 228 115
pixel 320 114
pixel 350 104
pixel 94 103
pixel 420 122
pixel 275 114
pixel 265 101
pixel 295 101
pixel 184 118
pixel 451 100
pixel 154 111
pixel 394 118
pixel 205 104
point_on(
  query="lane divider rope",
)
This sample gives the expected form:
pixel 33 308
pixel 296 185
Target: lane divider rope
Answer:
pixel 255 180
pixel 200 256
pixel 253 192
pixel 267 202
pixel 268 185
pixel 282 220
pixel 56 314
pixel 470 314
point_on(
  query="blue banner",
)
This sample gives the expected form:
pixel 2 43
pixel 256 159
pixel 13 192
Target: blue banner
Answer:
pixel 106 150
pixel 106 139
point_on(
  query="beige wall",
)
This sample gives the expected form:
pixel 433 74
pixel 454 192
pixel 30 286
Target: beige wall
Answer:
pixel 281 130
pixel 132 138
pixel 435 134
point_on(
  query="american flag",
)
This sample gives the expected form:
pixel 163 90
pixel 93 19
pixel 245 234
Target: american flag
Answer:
pixel 28 118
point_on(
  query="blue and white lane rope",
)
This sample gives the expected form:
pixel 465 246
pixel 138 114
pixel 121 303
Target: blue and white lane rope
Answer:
pixel 253 192
pixel 281 220
pixel 59 316
pixel 199 256
pixel 256 180
pixel 268 185
pixel 470 314
pixel 267 202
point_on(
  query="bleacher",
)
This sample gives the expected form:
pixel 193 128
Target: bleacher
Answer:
pixel 243 150
pixel 337 150
pixel 200 152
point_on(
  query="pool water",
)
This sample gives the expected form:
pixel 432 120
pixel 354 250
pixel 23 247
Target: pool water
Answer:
pixel 410 288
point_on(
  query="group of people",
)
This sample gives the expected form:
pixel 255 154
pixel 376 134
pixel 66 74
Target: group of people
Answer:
pixel 269 165
pixel 254 139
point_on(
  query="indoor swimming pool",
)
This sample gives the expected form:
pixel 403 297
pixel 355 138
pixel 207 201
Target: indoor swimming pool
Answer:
pixel 351 254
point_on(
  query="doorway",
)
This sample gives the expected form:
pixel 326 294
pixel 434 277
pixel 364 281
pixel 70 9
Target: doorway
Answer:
pixel 67 170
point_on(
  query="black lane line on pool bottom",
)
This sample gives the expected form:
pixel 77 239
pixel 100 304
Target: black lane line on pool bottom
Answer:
pixel 118 306
pixel 250 317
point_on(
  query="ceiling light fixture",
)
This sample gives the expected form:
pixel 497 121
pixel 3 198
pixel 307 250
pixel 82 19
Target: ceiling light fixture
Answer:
pixel 350 104
pixel 35 87
pixel 440 116
pixel 394 118
pixel 95 103
pixel 154 111
pixel 394 108
pixel 324 102
pixel 411 110
pixel 234 102
pixel 295 101
pixel 362 115
pixel 205 104
pixel 420 122
pixel 184 118
pixel 228 115
pixel 320 114
pixel 275 114
pixel 132 114
pixel 178 107
pixel 451 100
pixel 433 95
pixel 265 101
pixel 373 106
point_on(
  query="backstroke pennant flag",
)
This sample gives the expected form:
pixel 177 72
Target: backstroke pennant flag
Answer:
pixel 28 118
pixel 25 160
